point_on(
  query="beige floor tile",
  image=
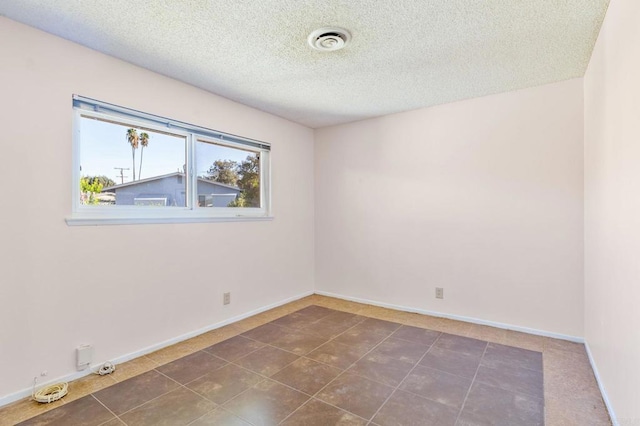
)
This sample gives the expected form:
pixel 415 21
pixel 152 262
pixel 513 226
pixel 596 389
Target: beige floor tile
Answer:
pixel 378 312
pixel 574 389
pixel 423 321
pixel 459 328
pixel 394 316
pixel 403 317
pixel 88 384
pixel 355 309
pixel 132 368
pixel 250 323
pixel 303 303
pixel 558 412
pixel 525 341
pixel 269 316
pixel 339 304
pixel 296 305
pixel 316 299
pixel 490 334
pixel 324 301
pixel 279 312
pixel 214 336
pixel 569 376
pixel 171 353
pixel 565 345
pixel 559 359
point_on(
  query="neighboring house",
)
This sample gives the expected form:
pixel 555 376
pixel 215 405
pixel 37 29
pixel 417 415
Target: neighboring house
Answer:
pixel 169 190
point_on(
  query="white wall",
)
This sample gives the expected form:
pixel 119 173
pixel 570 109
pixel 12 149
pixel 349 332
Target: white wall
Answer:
pixel 55 292
pixel 482 197
pixel 612 208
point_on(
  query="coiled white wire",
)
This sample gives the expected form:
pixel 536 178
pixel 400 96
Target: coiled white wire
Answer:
pixel 51 393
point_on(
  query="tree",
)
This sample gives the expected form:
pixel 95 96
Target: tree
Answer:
pixel 144 142
pixel 224 171
pixel 245 175
pixel 102 180
pixel 248 182
pixel 132 138
pixel 89 190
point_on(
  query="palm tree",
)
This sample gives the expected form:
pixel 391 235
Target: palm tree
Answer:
pixel 132 138
pixel 144 141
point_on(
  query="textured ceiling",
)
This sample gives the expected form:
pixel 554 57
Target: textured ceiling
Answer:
pixel 405 54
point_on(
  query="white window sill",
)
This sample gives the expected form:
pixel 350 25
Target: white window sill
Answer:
pixel 99 221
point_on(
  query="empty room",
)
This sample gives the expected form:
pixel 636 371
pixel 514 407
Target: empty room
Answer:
pixel 420 212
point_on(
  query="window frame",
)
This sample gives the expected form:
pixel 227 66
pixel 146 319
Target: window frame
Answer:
pixel 120 215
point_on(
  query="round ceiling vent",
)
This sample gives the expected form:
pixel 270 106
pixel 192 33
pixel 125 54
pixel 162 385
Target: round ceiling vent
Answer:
pixel 329 39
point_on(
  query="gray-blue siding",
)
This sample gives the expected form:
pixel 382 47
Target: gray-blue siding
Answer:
pixel 170 191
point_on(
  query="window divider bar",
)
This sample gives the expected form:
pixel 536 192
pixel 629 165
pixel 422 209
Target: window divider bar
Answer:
pixel 193 179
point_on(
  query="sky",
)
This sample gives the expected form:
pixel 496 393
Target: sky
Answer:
pixel 104 146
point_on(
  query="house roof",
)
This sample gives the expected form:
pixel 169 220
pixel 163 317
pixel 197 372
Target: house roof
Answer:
pixel 402 55
pixel 137 182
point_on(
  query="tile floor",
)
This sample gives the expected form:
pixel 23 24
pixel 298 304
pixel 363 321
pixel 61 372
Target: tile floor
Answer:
pixel 323 361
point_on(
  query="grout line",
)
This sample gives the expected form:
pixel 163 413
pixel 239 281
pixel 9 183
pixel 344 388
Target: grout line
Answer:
pixel 238 395
pixel 289 364
pixel 152 399
pixel 238 335
pixel 471 385
pixel 322 402
pixel 208 412
pixel 156 363
pixel 216 404
pixel 264 377
pixel 397 388
pixel 345 371
pixel 218 407
pixel 307 353
pixel 108 409
pixel 339 375
pixel 482 356
pixel 441 372
pixel 227 363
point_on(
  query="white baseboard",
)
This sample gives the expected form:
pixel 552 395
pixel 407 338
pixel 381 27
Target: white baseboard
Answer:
pixel 454 317
pixel 603 391
pixel 8 399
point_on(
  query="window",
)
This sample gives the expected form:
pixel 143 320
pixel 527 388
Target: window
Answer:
pixel 132 167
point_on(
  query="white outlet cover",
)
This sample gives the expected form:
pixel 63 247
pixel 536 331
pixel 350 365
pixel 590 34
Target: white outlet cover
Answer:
pixel 84 356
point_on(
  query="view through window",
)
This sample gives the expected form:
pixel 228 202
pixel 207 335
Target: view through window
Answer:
pixel 236 173
pixel 124 163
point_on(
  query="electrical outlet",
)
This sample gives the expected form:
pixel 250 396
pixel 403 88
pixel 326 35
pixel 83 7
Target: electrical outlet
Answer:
pixel 439 293
pixel 226 298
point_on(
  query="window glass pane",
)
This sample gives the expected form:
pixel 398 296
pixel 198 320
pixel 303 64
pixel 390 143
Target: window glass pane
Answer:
pixel 227 177
pixel 125 165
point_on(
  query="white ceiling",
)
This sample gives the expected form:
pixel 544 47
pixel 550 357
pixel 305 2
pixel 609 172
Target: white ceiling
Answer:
pixel 404 54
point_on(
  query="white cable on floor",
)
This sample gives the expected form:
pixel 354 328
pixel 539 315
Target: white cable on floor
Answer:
pixel 50 393
pixel 55 392
pixel 107 368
